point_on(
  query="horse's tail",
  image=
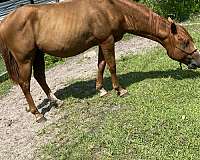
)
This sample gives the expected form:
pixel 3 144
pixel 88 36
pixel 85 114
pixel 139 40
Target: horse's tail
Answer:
pixel 10 62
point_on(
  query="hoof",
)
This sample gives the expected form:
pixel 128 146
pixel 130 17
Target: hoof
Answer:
pixel 40 118
pixel 57 103
pixel 122 93
pixel 103 92
pixel 27 109
pixel 60 103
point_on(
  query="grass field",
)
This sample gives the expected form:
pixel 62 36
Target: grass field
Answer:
pixel 159 119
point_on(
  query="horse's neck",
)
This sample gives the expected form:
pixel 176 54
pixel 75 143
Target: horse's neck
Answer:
pixel 142 21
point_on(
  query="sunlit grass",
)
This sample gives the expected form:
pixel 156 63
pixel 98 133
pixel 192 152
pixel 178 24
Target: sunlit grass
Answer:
pixel 5 87
pixel 2 66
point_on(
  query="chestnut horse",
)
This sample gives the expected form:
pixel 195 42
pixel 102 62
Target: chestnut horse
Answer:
pixel 69 28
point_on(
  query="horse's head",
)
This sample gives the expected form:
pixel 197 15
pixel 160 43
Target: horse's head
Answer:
pixel 180 46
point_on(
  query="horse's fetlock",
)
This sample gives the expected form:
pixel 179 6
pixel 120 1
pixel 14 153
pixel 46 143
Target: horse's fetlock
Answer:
pixel 116 88
pixel 99 86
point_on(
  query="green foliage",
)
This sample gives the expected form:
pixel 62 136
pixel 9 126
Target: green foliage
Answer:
pixel 178 9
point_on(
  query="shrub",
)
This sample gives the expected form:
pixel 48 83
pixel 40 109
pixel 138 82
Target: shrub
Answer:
pixel 177 9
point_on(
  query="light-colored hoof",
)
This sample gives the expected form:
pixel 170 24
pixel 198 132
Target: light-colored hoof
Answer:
pixel 60 103
pixel 123 93
pixel 40 118
pixel 27 109
pixel 103 92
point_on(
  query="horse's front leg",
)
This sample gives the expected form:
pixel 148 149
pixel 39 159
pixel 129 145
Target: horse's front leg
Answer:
pixel 24 82
pixel 101 68
pixel 109 54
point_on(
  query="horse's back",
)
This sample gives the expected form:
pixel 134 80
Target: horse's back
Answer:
pixel 60 28
pixel 68 27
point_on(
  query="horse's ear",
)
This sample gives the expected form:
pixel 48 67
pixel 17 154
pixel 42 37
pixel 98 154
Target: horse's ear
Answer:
pixel 173 26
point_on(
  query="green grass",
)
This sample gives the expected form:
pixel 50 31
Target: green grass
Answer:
pixel 2 66
pixel 5 87
pixel 127 37
pixel 52 61
pixel 159 119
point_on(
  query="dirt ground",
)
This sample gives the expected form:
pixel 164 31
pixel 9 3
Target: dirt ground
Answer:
pixel 18 129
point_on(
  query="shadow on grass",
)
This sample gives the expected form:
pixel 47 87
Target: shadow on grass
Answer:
pixel 86 89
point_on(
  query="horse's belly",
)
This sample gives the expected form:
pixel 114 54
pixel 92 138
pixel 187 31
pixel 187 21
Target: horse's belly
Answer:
pixel 67 48
pixel 65 53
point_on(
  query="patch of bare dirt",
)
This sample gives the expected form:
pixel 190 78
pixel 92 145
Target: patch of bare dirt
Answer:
pixel 18 129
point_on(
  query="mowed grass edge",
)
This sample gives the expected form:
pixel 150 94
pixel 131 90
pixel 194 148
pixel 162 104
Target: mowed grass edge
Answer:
pixel 159 119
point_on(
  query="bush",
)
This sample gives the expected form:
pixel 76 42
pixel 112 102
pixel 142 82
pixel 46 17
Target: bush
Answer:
pixel 178 9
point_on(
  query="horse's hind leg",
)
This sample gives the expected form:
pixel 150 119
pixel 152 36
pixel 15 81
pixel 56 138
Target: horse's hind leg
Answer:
pixel 39 75
pixel 109 55
pixel 101 67
pixel 24 82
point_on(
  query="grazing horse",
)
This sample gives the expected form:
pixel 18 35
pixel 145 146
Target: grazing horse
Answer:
pixel 69 28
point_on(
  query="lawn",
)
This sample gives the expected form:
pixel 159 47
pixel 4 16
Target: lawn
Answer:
pixel 159 119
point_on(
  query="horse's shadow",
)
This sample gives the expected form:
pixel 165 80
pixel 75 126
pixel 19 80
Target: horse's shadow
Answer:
pixel 86 89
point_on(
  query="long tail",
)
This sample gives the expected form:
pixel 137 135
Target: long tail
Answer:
pixel 11 64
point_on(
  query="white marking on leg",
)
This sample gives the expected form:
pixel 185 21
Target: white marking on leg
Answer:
pixel 103 92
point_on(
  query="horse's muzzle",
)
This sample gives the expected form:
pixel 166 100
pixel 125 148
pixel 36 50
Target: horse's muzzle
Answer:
pixel 193 66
